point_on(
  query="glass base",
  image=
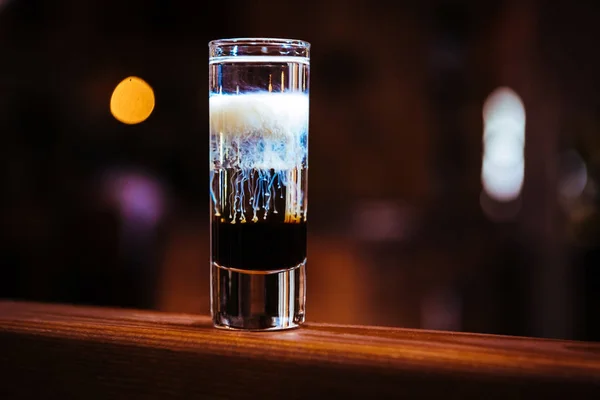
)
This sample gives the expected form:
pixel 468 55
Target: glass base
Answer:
pixel 258 300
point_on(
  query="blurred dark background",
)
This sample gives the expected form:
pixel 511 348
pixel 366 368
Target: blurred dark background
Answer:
pixel 402 231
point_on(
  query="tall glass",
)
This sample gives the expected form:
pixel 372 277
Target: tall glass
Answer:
pixel 258 100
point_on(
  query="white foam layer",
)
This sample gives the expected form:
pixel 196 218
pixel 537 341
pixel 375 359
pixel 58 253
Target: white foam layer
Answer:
pixel 263 114
pixel 261 130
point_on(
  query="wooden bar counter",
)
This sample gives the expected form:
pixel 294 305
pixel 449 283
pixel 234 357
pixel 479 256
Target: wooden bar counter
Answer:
pixel 71 352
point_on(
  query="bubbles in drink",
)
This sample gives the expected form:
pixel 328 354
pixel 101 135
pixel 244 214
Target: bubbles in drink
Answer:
pixel 259 148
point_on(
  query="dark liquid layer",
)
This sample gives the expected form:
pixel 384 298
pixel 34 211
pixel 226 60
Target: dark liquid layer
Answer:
pixel 258 246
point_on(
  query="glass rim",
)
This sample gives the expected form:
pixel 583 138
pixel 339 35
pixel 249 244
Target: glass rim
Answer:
pixel 259 41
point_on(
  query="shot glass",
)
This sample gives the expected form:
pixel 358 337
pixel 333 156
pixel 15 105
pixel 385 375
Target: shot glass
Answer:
pixel 259 108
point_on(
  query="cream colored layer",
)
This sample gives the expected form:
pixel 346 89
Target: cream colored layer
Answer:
pixel 268 115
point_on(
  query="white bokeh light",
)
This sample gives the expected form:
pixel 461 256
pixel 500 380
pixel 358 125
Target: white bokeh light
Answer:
pixel 503 167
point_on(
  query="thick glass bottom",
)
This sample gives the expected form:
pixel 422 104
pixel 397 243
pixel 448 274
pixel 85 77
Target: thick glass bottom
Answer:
pixel 258 300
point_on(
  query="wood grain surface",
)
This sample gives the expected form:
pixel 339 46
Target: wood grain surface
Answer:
pixel 72 352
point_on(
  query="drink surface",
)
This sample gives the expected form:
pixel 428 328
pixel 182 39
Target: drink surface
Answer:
pixel 258 161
